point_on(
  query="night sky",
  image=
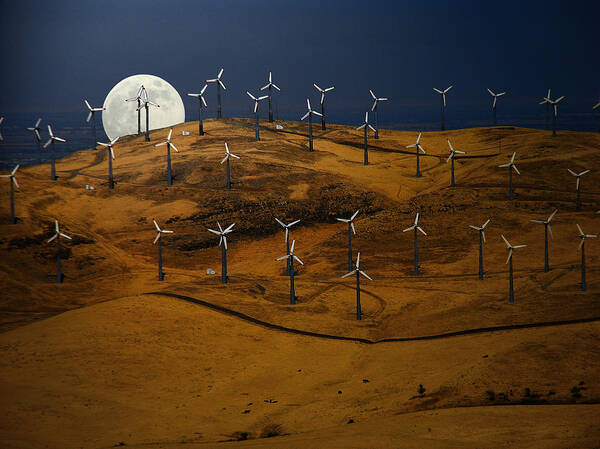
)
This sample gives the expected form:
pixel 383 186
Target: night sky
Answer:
pixel 55 53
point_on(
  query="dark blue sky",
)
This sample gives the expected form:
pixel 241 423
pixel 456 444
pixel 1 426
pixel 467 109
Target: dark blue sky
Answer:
pixel 55 53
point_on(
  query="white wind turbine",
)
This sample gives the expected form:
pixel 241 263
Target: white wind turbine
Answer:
pixel 145 102
pixel 309 114
pixel 169 145
pixel 374 109
pixel 223 244
pixel 138 98
pixel 578 186
pixel 92 116
pixel 495 96
pixel 351 230
pixel 366 127
pixel 256 100
pixel 51 141
pixel 549 102
pixel 583 236
pixel 110 155
pixel 443 94
pixel 158 238
pixel 481 230
pixel 57 235
pixel 269 86
pixel 415 227
pixel 511 291
pixel 323 92
pixel 13 184
pixel 547 229
pixel 290 257
pixel 226 159
pixel 201 101
pixel 418 147
pixel 357 271
pixel 36 132
pixel 287 236
pixel 451 157
pixel 219 84
pixel 511 166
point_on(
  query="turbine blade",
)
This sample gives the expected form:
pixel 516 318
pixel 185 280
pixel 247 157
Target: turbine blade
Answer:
pixel 353 229
pixel 365 275
pixel 349 274
pixel 579 228
pixel 419 229
pixel 505 241
pixel 293 223
pixel 65 236
pixel 483 235
pixel 213 231
pixel 156 225
pixel 510 251
pixel 170 133
pixel 550 231
pixel 552 215
pixel 51 238
pixel 156 238
pixel 89 117
pixel 298 260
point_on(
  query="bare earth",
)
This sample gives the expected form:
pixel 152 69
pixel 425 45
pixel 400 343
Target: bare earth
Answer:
pixel 111 357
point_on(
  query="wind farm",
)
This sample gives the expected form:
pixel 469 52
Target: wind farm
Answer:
pixel 372 281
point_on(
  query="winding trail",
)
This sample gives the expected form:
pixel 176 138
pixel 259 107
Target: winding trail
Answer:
pixel 290 330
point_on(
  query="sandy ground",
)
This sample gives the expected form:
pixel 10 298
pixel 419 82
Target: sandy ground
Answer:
pixel 151 370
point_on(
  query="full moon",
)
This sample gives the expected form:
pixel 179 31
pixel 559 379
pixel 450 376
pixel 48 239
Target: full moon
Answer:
pixel 121 118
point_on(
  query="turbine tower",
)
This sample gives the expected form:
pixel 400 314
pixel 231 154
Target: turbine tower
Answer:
pixel 219 84
pixel 581 248
pixel 481 230
pixel 110 155
pixel 418 147
pixel 374 109
pixel 13 184
pixel 578 176
pixel 201 101
pixel 596 107
pixel 511 166
pixel 416 228
pixel 256 100
pixel 452 156
pixel 443 94
pixel 36 132
pixel 223 244
pixel 91 116
pixel 351 230
pixel 511 290
pixel 309 115
pixel 323 92
pixel 495 97
pixel 51 141
pixel 169 145
pixel 547 228
pixel 57 235
pixel 358 272
pixel 138 98
pixel 287 237
pixel 145 102
pixel 269 86
pixel 158 238
pixel 290 263
pixel 226 159
pixel 366 127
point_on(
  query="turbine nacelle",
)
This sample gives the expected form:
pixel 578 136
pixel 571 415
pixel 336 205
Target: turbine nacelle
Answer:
pixel 547 222
pixel 453 152
pixel 511 248
pixel 160 232
pixel 58 233
pixel 583 236
pixel 415 226
pixel 323 91
pixel 270 84
pixel 228 154
pixel 357 269
pixel 481 229
pixel 310 111
pixel 52 138
pixel 109 145
pixel 511 164
pixel 222 233
pixel 12 176
pixel 350 220
pixel 168 142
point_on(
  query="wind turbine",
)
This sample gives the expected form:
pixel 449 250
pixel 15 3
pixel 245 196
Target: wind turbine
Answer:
pixel 269 86
pixel 91 116
pixel 110 155
pixel 418 147
pixel 256 100
pixel 578 176
pixel 358 272
pixel 547 228
pixel 36 132
pixel 145 102
pixel 57 235
pixel 351 230
pixel 201 101
pixel 169 145
pixel 158 238
pixel 453 153
pixel 366 126
pixel 51 141
pixel 510 165
pixel 219 84
pixel 596 107
pixel 13 180
pixel 495 96
pixel 287 237
pixel 223 244
pixel 309 115
pixel 581 248
pixel 546 101
pixel 443 94
pixel 554 103
pixel 374 109
pixel 323 92
pixel 481 230
pixel 226 158
pixel 290 263
pixel 138 98
pixel 416 228
pixel 511 292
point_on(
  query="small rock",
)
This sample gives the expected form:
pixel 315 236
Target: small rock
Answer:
pixel 245 412
pixel 365 381
pixel 350 421
pixel 339 391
